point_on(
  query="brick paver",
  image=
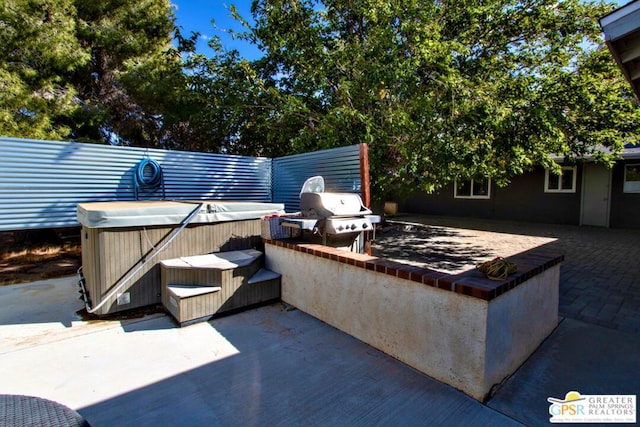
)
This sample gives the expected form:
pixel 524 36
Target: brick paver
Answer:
pixel 599 280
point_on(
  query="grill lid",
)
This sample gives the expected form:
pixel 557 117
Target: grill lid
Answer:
pixel 324 205
pixel 315 184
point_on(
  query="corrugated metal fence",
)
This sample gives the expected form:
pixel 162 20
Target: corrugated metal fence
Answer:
pixel 340 168
pixel 41 182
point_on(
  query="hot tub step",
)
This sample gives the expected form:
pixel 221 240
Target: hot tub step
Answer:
pixel 217 261
pixel 188 303
pixel 196 288
pixel 263 286
pixel 264 275
pixel 188 291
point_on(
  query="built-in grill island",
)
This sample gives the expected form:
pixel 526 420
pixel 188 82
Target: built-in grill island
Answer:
pixel 333 219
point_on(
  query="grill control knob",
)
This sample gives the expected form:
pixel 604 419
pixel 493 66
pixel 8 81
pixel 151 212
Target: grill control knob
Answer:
pixel 365 225
pixel 340 228
pixel 353 226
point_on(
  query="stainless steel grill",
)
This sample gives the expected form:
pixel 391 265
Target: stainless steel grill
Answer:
pixel 333 219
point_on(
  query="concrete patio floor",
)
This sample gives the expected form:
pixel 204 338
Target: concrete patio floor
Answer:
pixel 278 366
pixel 269 366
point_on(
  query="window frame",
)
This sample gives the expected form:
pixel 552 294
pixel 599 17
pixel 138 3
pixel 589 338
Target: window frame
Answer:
pixel 625 188
pixel 472 196
pixel 547 172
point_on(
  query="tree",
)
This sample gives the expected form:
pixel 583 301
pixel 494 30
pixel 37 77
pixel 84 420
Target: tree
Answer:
pixel 440 90
pixel 204 117
pixel 38 49
pixel 101 70
pixel 122 86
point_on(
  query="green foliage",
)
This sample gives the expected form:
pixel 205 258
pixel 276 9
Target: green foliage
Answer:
pixel 87 70
pixel 440 90
pixel 122 87
pixel 38 48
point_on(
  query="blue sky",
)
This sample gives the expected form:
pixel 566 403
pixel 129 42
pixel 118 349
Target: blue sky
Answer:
pixel 196 15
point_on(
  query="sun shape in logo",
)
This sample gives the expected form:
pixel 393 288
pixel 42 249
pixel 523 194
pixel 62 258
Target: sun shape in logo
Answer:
pixel 572 396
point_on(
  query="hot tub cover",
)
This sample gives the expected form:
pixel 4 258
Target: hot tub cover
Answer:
pixel 166 212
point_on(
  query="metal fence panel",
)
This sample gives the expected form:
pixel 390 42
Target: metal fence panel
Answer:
pixel 340 168
pixel 41 182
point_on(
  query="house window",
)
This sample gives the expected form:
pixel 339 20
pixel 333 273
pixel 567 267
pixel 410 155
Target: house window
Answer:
pixel 632 178
pixel 472 189
pixel 565 183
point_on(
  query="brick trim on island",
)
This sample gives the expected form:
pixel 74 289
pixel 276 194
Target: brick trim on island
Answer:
pixel 471 282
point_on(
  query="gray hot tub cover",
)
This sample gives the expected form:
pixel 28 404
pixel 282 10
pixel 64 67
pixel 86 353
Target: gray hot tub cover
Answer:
pixel 166 212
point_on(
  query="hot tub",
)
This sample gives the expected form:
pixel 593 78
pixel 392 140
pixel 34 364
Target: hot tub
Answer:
pixel 123 242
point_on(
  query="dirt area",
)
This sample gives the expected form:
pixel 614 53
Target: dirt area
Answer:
pixel 28 256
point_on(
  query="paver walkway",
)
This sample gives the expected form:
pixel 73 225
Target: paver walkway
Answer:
pixel 599 280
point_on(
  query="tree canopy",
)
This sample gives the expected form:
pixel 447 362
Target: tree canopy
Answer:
pixel 87 70
pixel 38 49
pixel 439 90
